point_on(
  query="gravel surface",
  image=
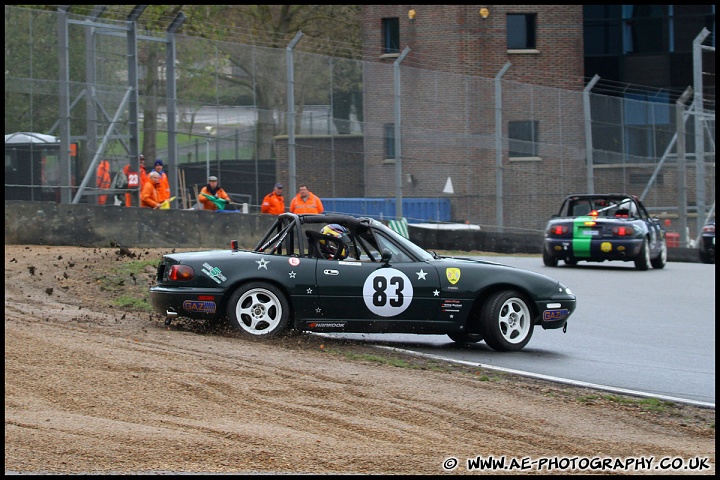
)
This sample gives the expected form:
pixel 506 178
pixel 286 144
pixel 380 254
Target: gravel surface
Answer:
pixel 96 383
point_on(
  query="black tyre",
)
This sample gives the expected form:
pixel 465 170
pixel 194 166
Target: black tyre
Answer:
pixel 661 260
pixel 707 256
pixel 642 262
pixel 570 261
pixel 259 310
pixel 506 321
pixel 465 337
pixel 549 260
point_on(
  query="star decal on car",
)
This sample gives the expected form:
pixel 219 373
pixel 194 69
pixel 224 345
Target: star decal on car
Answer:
pixel 309 291
pixel 421 274
pixel 292 274
pixel 436 293
pixel 262 263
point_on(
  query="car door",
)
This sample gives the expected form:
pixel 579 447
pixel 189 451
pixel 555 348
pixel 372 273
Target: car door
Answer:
pixel 402 295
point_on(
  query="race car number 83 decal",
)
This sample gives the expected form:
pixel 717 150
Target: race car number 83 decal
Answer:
pixel 387 292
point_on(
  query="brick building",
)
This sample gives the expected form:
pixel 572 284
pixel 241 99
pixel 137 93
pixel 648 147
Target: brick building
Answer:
pixel 449 117
pixel 450 103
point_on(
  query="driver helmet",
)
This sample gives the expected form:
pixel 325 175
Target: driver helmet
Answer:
pixel 335 250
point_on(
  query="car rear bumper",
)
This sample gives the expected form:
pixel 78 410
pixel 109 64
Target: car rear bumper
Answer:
pixel 199 303
pixel 595 249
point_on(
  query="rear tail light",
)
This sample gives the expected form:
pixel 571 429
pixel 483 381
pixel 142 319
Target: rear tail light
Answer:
pixel 622 231
pixel 181 273
pixel 709 229
pixel 559 230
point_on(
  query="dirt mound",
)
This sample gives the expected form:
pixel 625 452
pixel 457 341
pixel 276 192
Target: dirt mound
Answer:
pixel 95 382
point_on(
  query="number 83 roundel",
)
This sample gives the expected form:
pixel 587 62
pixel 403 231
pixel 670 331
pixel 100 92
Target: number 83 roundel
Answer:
pixel 387 292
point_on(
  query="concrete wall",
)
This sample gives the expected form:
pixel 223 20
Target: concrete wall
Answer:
pixel 49 223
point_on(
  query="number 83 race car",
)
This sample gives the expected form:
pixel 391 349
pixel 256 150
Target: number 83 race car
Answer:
pixel 339 273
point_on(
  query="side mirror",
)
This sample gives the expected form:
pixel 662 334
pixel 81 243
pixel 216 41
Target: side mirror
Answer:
pixel 386 256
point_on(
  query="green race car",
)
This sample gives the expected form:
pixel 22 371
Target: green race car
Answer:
pixel 600 227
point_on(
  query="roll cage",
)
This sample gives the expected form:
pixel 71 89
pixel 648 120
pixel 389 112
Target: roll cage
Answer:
pixel 289 236
pixel 604 205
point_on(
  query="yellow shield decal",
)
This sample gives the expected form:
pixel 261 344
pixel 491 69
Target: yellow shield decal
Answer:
pixel 606 246
pixel 453 275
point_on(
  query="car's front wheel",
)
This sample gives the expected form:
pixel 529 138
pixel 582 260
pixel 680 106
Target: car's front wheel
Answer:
pixel 259 310
pixel 661 259
pixel 642 262
pixel 506 321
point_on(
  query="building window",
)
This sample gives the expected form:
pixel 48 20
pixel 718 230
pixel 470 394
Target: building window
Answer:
pixel 602 30
pixel 523 136
pixel 521 31
pixel 391 35
pixel 389 140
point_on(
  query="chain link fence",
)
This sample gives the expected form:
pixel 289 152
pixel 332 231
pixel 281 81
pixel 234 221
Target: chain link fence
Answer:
pixel 503 153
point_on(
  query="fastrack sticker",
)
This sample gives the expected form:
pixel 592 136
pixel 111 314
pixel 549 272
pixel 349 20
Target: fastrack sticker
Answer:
pixel 214 273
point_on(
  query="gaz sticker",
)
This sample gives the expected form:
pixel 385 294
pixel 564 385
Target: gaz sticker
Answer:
pixel 557 314
pixel 199 306
pixel 387 292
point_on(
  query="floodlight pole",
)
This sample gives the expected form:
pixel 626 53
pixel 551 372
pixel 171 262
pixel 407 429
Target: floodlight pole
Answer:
pixel 398 136
pixel 588 134
pixel 291 110
pixel 498 147
pixel 171 102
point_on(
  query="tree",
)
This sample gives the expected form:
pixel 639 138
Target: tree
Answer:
pixel 234 31
pixel 275 26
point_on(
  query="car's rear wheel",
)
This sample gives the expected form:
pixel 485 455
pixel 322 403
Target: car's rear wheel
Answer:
pixel 506 321
pixel 707 256
pixel 259 309
pixel 661 259
pixel 642 262
pixel 549 260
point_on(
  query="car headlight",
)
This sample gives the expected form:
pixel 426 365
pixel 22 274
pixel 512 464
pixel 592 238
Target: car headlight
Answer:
pixel 565 289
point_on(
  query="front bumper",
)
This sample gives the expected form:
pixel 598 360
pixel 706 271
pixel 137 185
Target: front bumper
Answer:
pixel 554 313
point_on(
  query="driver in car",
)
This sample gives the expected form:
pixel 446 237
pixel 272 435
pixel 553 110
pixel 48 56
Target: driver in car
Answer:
pixel 337 244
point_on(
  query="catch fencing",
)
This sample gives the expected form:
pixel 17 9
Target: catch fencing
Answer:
pixel 504 153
